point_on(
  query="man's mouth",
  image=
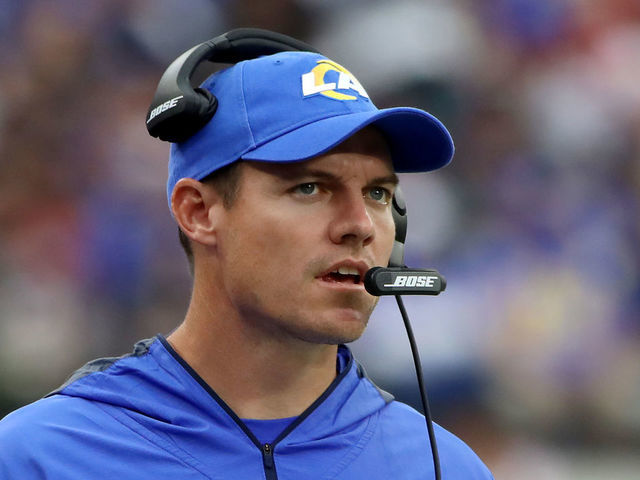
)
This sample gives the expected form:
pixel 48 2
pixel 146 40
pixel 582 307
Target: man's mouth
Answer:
pixel 346 272
pixel 343 275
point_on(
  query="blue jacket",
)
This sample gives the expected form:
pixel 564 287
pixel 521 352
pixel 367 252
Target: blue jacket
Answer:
pixel 148 414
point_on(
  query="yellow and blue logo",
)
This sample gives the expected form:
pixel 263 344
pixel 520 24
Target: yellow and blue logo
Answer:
pixel 332 80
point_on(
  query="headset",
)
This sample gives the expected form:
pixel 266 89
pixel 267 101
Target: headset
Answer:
pixel 198 105
pixel 175 121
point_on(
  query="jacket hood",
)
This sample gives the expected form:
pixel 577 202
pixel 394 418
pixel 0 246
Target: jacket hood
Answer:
pixel 156 392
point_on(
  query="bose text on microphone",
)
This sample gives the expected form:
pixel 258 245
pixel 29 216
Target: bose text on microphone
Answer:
pixel 403 281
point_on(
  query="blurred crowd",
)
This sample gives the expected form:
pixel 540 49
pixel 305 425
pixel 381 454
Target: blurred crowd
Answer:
pixel 532 354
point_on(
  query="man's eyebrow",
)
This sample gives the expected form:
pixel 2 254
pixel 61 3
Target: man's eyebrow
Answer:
pixel 392 179
pixel 303 171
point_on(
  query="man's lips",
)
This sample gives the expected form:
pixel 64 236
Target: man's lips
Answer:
pixel 346 272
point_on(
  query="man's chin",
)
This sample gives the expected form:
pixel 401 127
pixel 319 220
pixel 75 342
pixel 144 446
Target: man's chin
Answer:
pixel 342 326
pixel 331 338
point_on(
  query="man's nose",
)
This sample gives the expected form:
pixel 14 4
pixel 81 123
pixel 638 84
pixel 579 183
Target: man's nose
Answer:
pixel 352 222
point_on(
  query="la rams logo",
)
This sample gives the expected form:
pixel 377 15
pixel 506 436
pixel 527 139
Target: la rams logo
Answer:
pixel 327 77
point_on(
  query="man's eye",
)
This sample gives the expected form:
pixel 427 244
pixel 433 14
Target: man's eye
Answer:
pixel 307 188
pixel 380 195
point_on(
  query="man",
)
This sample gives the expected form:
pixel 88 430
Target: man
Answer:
pixel 283 201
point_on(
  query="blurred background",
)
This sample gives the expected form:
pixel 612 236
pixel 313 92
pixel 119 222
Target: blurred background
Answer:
pixel 532 355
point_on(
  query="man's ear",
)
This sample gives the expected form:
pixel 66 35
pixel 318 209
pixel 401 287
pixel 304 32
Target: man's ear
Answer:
pixel 193 204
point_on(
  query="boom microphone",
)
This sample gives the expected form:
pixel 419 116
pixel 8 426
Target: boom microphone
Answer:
pixel 397 281
pixel 403 281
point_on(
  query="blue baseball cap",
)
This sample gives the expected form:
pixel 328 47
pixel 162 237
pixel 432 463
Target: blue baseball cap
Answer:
pixel 293 106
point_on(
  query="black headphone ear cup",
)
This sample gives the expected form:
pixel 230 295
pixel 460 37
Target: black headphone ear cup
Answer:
pixel 399 213
pixel 201 107
pixel 207 106
pixel 189 114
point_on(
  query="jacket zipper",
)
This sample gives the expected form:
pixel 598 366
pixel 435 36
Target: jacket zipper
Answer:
pixel 267 448
pixel 267 461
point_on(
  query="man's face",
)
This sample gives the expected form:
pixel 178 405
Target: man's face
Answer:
pixel 296 243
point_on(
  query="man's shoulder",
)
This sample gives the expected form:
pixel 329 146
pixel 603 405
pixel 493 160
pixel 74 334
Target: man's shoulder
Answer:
pixel 79 415
pixel 72 438
pixel 42 431
pixel 409 427
pixel 42 420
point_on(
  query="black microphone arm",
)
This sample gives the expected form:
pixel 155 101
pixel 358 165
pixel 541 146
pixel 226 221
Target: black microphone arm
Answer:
pixel 398 281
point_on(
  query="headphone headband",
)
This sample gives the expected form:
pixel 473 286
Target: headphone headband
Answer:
pixel 179 110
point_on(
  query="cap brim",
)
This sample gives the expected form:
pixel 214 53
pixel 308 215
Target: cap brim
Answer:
pixel 418 141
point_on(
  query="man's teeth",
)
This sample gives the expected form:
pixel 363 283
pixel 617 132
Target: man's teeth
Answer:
pixel 347 271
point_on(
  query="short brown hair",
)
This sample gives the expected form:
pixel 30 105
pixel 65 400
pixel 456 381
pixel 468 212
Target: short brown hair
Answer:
pixel 225 181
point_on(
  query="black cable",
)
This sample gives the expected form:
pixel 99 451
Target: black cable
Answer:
pixel 423 393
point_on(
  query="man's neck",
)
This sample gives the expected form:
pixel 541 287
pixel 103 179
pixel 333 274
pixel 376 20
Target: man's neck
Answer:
pixel 258 376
